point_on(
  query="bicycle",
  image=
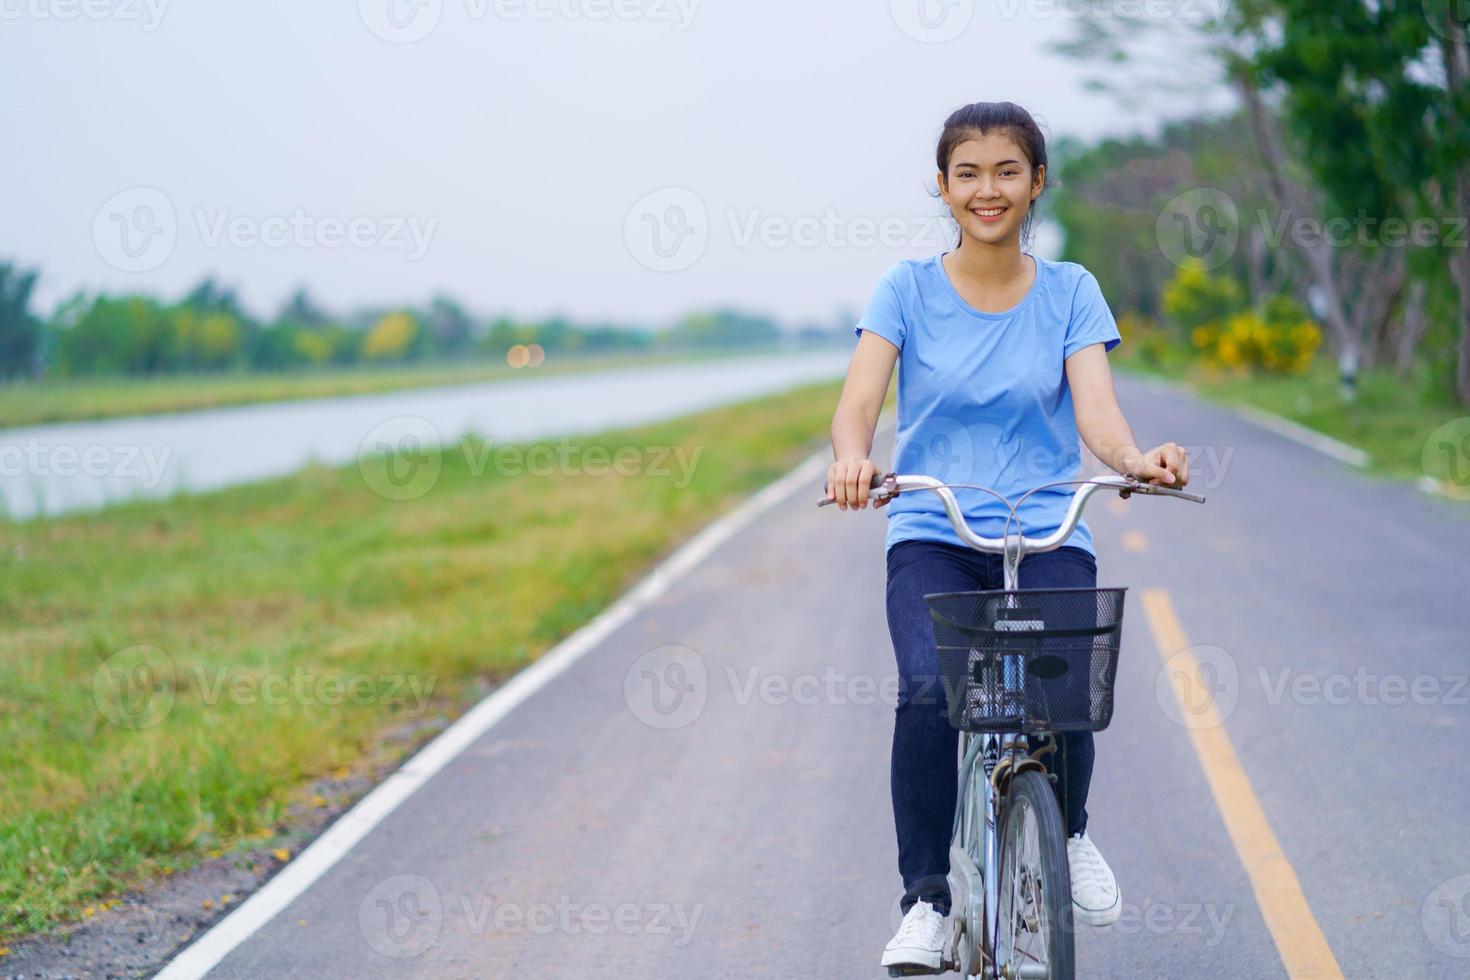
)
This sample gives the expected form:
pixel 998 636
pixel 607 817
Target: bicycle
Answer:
pixel 1017 665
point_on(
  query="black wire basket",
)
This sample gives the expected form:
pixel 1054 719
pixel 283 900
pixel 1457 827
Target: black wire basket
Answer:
pixel 1029 661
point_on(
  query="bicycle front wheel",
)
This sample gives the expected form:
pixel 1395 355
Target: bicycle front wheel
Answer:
pixel 1035 923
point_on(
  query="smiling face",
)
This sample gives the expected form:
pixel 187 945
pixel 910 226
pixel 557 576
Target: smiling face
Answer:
pixel 990 187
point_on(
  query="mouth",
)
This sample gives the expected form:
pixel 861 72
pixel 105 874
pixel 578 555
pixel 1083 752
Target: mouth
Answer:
pixel 988 214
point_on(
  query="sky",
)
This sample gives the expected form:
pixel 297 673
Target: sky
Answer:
pixel 622 161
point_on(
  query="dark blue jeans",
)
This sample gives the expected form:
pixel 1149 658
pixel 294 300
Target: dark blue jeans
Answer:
pixel 925 767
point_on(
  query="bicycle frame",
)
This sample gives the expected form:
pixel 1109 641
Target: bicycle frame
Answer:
pixel 999 756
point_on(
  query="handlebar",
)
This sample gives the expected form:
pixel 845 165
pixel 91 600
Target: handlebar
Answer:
pixel 892 484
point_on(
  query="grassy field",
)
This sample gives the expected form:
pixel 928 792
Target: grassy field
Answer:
pixel 34 403
pixel 1391 419
pixel 176 671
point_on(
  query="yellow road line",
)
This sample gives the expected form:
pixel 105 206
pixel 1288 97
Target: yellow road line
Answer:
pixel 1299 940
pixel 1135 541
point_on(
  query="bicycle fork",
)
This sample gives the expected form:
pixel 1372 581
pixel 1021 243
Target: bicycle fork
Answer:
pixel 999 757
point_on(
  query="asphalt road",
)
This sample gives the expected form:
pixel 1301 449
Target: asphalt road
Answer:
pixel 741 826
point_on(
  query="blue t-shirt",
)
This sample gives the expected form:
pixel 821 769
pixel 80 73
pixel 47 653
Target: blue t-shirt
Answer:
pixel 983 397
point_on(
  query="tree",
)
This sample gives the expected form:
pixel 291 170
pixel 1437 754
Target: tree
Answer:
pixel 391 338
pixel 448 326
pixel 1356 289
pixel 301 309
pixel 117 335
pixel 1381 92
pixel 20 332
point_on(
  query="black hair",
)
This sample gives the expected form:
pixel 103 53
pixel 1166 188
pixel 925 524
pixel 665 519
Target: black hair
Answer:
pixel 1006 119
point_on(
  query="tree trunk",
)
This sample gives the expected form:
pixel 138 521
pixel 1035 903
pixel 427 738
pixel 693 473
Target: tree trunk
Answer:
pixel 1295 201
pixel 1412 326
pixel 1457 76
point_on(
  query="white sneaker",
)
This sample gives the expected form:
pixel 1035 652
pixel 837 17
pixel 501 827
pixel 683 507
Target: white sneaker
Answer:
pixel 1095 897
pixel 920 939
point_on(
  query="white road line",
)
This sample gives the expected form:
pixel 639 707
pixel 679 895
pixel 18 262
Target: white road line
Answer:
pixel 296 877
pixel 1311 438
pixel 1270 421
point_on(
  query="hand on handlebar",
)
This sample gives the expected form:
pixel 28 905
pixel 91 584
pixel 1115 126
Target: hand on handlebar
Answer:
pixel 1166 465
pixel 850 483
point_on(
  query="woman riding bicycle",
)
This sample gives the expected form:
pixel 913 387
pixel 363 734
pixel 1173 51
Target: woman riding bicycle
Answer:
pixel 1003 365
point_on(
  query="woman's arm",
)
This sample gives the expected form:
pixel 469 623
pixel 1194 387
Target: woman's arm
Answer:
pixel 1105 431
pixel 856 419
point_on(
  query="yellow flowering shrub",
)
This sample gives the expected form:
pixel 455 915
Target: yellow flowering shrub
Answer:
pixel 1247 341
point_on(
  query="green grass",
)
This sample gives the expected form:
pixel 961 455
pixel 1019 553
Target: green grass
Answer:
pixel 1391 419
pixel 451 591
pixel 74 400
